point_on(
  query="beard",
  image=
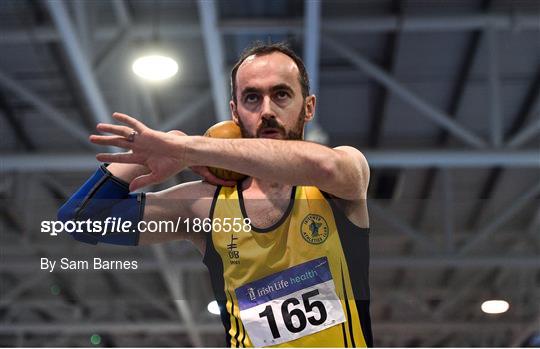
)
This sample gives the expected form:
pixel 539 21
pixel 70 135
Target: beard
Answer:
pixel 295 133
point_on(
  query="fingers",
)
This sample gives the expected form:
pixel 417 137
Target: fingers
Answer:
pixel 117 141
pixel 125 158
pixel 131 122
pixel 209 177
pixel 143 181
pixel 115 129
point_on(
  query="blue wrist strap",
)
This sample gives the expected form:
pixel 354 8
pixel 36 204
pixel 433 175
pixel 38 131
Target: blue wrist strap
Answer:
pixel 100 197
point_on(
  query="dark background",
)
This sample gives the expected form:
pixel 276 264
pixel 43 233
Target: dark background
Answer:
pixel 441 96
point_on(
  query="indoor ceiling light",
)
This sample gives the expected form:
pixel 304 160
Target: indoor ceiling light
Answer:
pixel 155 67
pixel 213 307
pixel 495 306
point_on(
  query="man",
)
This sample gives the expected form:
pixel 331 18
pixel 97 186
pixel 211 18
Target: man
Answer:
pixel 296 274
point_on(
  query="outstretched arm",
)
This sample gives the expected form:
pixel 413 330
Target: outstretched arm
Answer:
pixel 105 198
pixel 342 171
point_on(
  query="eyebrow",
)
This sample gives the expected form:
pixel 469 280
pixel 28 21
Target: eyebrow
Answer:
pixel 251 89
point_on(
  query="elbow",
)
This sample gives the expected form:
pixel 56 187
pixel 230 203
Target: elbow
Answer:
pixel 328 169
pixel 359 181
pixel 351 193
pixel 347 182
pixel 332 175
pixel 353 189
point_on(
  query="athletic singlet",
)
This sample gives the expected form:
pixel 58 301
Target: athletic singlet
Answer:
pixel 302 282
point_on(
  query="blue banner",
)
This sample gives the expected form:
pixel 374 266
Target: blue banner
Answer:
pixel 282 283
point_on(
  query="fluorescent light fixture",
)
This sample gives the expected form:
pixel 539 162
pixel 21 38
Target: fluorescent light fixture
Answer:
pixel 495 306
pixel 155 67
pixel 213 307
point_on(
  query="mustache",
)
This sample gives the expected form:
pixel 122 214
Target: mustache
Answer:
pixel 270 123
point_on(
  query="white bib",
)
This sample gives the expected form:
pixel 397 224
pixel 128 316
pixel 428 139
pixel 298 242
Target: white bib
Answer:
pixel 290 304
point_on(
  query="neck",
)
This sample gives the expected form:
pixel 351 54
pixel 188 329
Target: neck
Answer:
pixel 266 187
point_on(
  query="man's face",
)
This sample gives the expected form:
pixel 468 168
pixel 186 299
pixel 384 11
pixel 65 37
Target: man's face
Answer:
pixel 269 98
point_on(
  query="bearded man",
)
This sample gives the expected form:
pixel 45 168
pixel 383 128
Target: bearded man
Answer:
pixel 293 269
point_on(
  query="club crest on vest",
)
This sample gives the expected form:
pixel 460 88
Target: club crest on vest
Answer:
pixel 314 229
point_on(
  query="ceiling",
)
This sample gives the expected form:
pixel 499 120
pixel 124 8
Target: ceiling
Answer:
pixel 441 96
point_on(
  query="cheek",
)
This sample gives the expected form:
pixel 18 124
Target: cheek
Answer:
pixel 296 111
pixel 245 111
pixel 247 118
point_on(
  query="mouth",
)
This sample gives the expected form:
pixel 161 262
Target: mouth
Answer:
pixel 270 133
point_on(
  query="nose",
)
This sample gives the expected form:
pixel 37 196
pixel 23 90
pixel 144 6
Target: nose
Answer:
pixel 267 108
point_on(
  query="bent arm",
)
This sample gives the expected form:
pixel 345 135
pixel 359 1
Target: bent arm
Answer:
pixel 341 171
pixel 105 195
pixel 173 206
pixel 102 196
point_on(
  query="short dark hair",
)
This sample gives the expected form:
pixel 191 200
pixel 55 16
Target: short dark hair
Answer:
pixel 259 48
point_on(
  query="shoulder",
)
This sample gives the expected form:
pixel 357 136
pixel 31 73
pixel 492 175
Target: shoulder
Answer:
pixel 354 154
pixel 358 161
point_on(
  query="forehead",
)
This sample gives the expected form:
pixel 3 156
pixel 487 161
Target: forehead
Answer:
pixel 268 70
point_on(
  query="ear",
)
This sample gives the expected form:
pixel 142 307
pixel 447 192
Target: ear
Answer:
pixel 234 113
pixel 310 107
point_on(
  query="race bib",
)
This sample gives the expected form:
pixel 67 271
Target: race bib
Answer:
pixel 290 304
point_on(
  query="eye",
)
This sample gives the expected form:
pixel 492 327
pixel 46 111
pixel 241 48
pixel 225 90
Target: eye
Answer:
pixel 282 94
pixel 251 98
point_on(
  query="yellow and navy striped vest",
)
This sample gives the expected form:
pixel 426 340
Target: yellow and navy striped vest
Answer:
pixel 302 282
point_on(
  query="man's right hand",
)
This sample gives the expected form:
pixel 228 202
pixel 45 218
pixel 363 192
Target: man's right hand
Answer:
pixel 128 172
pixel 160 152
